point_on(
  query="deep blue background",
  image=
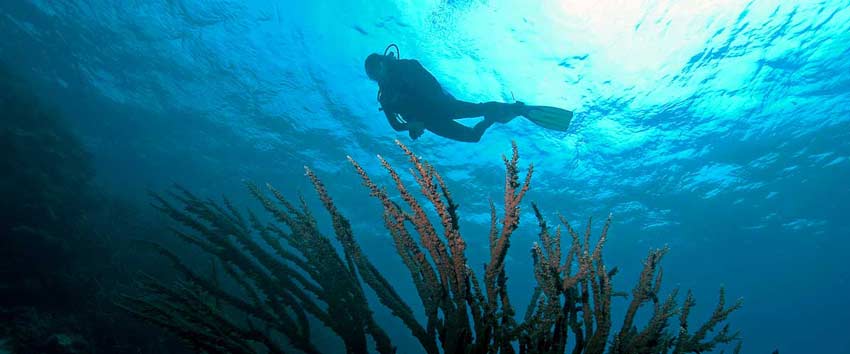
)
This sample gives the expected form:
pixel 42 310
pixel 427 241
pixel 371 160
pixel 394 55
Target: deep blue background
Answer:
pixel 719 128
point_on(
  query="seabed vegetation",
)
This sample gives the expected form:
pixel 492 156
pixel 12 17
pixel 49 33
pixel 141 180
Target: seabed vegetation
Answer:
pixel 289 275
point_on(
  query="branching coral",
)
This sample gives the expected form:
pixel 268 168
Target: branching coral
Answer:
pixel 285 278
pixel 288 278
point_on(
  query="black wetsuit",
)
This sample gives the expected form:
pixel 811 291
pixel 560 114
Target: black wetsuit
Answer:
pixel 410 93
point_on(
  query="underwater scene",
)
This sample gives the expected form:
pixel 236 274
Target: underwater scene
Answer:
pixel 434 176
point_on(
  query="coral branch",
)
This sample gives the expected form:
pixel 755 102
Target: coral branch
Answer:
pixel 286 274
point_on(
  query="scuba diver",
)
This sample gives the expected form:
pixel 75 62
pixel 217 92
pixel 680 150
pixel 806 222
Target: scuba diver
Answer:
pixel 413 100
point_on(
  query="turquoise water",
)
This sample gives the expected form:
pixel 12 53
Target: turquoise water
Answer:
pixel 720 129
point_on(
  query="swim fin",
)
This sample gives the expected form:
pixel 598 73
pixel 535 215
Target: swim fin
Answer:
pixel 549 117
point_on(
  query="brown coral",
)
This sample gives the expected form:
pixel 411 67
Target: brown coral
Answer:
pixel 288 277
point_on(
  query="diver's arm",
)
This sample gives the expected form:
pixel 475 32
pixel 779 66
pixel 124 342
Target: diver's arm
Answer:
pixel 414 128
pixel 392 118
pixel 390 100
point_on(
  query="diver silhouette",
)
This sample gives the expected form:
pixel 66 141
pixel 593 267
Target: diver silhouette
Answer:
pixel 413 101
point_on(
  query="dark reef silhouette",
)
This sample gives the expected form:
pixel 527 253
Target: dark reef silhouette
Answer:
pixel 63 240
pixel 288 274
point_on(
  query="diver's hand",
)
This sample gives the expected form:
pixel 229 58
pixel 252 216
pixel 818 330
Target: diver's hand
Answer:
pixel 415 129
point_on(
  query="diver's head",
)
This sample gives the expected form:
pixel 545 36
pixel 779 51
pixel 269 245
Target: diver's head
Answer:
pixel 376 66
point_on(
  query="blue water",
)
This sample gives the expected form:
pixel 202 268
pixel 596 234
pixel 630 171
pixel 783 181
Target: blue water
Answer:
pixel 721 129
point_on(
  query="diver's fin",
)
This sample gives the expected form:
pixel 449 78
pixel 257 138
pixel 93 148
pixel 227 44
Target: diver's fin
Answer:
pixel 549 117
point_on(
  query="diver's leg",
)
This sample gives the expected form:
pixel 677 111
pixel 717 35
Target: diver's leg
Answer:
pixel 456 131
pixel 495 111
